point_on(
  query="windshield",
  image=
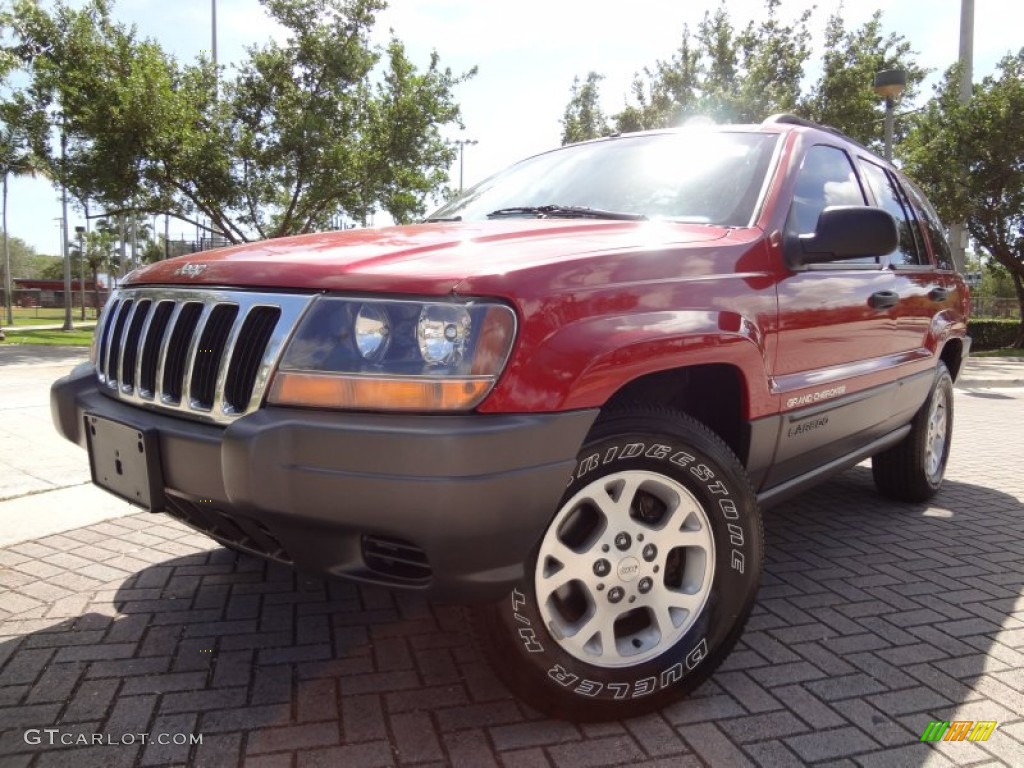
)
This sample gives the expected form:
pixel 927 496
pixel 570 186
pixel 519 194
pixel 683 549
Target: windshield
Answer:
pixel 700 177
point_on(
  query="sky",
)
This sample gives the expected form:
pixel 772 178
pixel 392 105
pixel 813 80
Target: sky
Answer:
pixel 527 52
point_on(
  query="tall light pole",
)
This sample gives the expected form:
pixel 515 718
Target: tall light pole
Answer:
pixel 69 324
pixel 80 231
pixel 958 230
pixel 8 284
pixel 890 84
pixel 213 30
pixel 462 144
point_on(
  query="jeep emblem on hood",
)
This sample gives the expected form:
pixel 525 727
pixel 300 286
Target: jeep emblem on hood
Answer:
pixel 190 270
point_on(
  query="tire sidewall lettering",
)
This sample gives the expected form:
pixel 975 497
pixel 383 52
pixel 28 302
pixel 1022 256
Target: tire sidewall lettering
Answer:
pixel 661 451
pixel 732 577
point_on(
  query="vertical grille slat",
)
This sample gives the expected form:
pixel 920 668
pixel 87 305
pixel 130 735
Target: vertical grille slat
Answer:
pixel 241 378
pixel 203 353
pixel 193 353
pixel 209 353
pixel 114 353
pixel 109 316
pixel 177 351
pixel 154 340
pixel 130 350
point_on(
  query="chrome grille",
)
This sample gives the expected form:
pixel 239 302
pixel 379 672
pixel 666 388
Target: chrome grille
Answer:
pixel 207 354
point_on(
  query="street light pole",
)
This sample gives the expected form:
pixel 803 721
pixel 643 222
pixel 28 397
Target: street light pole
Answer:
pixel 462 144
pixel 213 29
pixel 69 324
pixel 890 124
pixel 81 266
pixel 890 84
pixel 958 229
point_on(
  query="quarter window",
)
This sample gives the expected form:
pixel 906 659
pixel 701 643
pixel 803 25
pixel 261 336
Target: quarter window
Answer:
pixel 890 198
pixel 936 232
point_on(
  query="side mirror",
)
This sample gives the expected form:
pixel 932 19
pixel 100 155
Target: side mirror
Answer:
pixel 847 232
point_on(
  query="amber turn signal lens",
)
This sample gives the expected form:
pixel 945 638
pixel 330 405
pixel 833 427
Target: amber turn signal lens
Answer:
pixel 333 390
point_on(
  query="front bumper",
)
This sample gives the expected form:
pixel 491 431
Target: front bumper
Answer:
pixel 448 504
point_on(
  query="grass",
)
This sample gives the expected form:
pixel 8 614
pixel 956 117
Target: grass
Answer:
pixel 46 315
pixel 1006 352
pixel 76 338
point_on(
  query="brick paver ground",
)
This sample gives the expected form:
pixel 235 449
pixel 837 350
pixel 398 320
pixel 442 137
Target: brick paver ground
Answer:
pixel 873 620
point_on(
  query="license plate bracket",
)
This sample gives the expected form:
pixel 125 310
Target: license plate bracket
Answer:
pixel 125 460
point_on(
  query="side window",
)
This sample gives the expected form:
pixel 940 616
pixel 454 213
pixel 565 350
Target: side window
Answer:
pixel 889 197
pixel 936 232
pixel 825 178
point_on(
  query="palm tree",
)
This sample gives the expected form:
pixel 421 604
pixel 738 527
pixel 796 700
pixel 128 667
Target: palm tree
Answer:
pixel 99 255
pixel 16 159
pixel 112 247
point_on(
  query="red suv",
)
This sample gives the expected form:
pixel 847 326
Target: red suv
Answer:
pixel 563 398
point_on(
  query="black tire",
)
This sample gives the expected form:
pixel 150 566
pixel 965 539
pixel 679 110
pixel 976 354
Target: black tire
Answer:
pixel 913 469
pixel 686 551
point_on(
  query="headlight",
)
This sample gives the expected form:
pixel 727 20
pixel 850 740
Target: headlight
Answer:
pixel 443 333
pixel 395 355
pixel 372 331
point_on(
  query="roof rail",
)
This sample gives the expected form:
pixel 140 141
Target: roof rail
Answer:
pixel 789 119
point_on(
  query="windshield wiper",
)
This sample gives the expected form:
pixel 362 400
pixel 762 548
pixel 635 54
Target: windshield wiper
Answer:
pixel 442 218
pixel 567 212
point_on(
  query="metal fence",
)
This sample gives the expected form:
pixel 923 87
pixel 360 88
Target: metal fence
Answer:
pixel 991 307
pixel 28 298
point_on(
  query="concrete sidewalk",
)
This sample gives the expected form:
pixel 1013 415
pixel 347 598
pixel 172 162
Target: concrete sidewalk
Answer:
pixel 80 325
pixel 45 484
pixel 992 372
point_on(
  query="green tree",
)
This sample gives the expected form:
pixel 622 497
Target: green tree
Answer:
pixel 53 270
pixel 25 262
pixel 844 95
pixel 970 158
pixel 583 119
pixel 769 64
pixel 111 237
pixel 996 282
pixel 745 74
pixel 100 255
pixel 323 122
pixel 722 72
pixel 16 159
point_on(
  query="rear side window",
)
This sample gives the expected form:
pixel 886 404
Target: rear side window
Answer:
pixel 936 232
pixel 889 196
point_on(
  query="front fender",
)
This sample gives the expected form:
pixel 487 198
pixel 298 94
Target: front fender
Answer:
pixel 581 365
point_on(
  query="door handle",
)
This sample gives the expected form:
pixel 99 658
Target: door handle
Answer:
pixel 883 299
pixel 938 294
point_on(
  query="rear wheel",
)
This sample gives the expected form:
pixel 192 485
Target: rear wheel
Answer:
pixel 643 580
pixel 913 469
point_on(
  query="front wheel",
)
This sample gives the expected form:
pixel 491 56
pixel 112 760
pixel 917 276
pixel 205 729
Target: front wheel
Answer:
pixel 643 580
pixel 912 470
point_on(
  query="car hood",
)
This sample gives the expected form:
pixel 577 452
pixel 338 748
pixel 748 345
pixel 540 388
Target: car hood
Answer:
pixel 423 258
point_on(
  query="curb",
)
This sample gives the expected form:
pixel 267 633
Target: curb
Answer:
pixel 989 383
